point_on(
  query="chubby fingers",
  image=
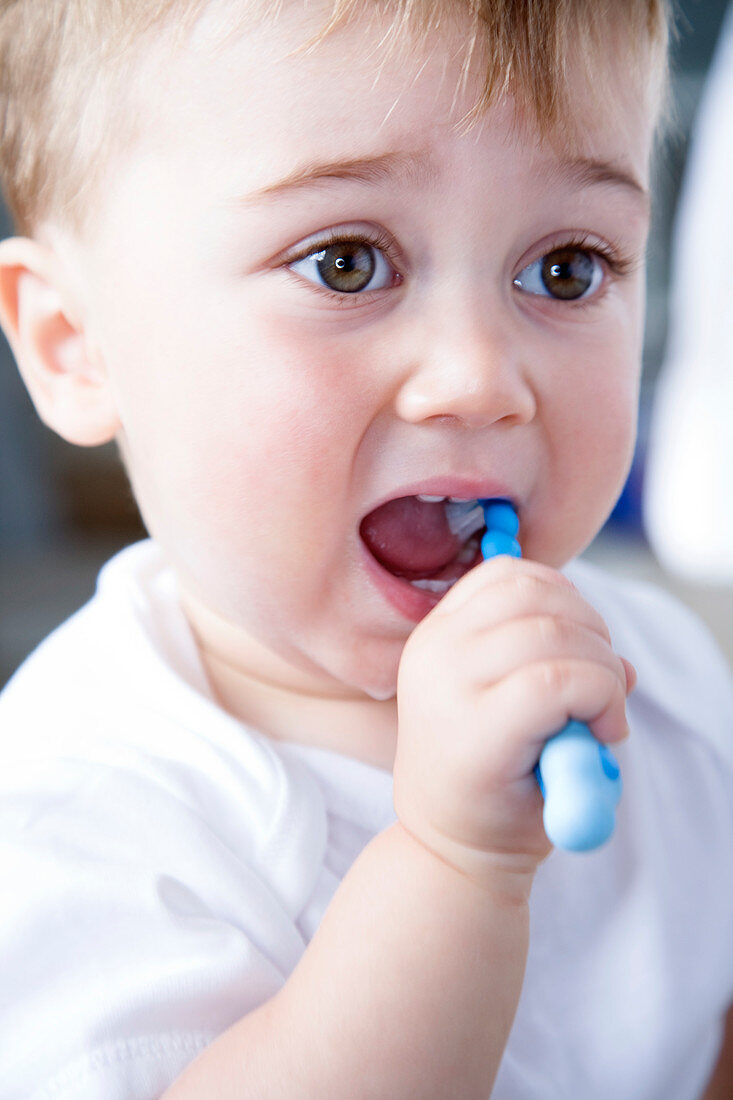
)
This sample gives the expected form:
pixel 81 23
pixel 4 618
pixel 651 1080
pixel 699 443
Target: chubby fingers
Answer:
pixel 496 652
pixel 521 636
pixel 540 700
pixel 510 588
pixel 523 610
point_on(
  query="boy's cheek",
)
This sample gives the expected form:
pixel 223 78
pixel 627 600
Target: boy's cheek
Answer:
pixel 582 480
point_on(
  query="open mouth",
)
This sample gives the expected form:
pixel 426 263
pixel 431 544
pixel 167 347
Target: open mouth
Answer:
pixel 429 542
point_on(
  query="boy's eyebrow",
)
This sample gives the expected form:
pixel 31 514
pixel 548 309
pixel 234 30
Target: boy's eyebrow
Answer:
pixel 416 167
pixel 384 168
pixel 585 171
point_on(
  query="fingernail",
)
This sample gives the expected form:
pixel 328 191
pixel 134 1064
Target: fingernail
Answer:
pixel 631 677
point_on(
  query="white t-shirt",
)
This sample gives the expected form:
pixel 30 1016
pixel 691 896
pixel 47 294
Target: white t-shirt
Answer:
pixel 163 867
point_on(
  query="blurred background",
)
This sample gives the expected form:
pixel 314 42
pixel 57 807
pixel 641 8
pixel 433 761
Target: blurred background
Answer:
pixel 64 510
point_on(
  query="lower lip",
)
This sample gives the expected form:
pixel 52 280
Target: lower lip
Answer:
pixel 410 602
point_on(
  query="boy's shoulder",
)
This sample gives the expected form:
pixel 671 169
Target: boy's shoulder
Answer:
pixel 112 720
pixel 134 808
pixel 117 694
pixel 130 640
pixel 684 681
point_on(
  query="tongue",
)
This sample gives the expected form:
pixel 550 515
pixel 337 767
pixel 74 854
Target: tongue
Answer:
pixel 410 537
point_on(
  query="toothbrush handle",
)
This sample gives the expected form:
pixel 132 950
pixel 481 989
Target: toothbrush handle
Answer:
pixel 578 776
pixel 581 784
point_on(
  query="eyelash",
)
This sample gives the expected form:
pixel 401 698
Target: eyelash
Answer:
pixel 379 239
pixel 619 264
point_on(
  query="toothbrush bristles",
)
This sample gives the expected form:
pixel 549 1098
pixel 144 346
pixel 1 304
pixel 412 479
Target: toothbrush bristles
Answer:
pixel 464 519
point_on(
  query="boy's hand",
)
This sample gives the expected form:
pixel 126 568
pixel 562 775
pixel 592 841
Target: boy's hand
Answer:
pixel 506 658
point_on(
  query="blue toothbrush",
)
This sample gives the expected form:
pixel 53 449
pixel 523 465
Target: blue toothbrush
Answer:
pixel 579 777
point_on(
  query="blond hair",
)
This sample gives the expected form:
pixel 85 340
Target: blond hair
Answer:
pixel 66 65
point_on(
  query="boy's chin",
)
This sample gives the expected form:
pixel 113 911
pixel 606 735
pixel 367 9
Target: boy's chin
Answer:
pixel 374 683
pixel 371 676
pixel 381 693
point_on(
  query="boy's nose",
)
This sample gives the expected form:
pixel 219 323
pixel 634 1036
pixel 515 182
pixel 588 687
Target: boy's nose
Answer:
pixel 466 368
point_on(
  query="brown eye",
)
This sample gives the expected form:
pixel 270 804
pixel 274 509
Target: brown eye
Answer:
pixel 565 274
pixel 347 267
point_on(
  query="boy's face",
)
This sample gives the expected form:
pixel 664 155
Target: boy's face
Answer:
pixel 314 294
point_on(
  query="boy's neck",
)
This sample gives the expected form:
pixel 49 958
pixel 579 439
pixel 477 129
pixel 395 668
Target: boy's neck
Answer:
pixel 284 703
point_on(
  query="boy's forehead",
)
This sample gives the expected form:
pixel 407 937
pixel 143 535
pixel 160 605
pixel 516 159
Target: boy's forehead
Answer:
pixel 346 99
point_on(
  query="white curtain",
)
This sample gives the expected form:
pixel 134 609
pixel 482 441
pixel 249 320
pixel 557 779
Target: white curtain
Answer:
pixel 688 499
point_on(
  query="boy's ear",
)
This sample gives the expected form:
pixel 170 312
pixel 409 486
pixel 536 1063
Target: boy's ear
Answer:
pixel 63 373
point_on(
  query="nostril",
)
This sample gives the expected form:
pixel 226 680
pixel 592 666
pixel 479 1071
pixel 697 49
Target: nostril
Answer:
pixel 494 400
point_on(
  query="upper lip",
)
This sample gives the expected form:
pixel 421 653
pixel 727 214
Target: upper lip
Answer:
pixel 461 488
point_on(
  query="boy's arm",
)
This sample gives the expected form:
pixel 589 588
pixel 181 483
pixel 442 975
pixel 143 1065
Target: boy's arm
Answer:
pixel 410 985
pixel 408 989
pixel 720 1086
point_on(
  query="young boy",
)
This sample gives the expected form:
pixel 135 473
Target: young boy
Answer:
pixel 316 272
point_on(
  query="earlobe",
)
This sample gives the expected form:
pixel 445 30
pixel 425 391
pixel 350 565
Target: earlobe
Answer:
pixel 63 373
